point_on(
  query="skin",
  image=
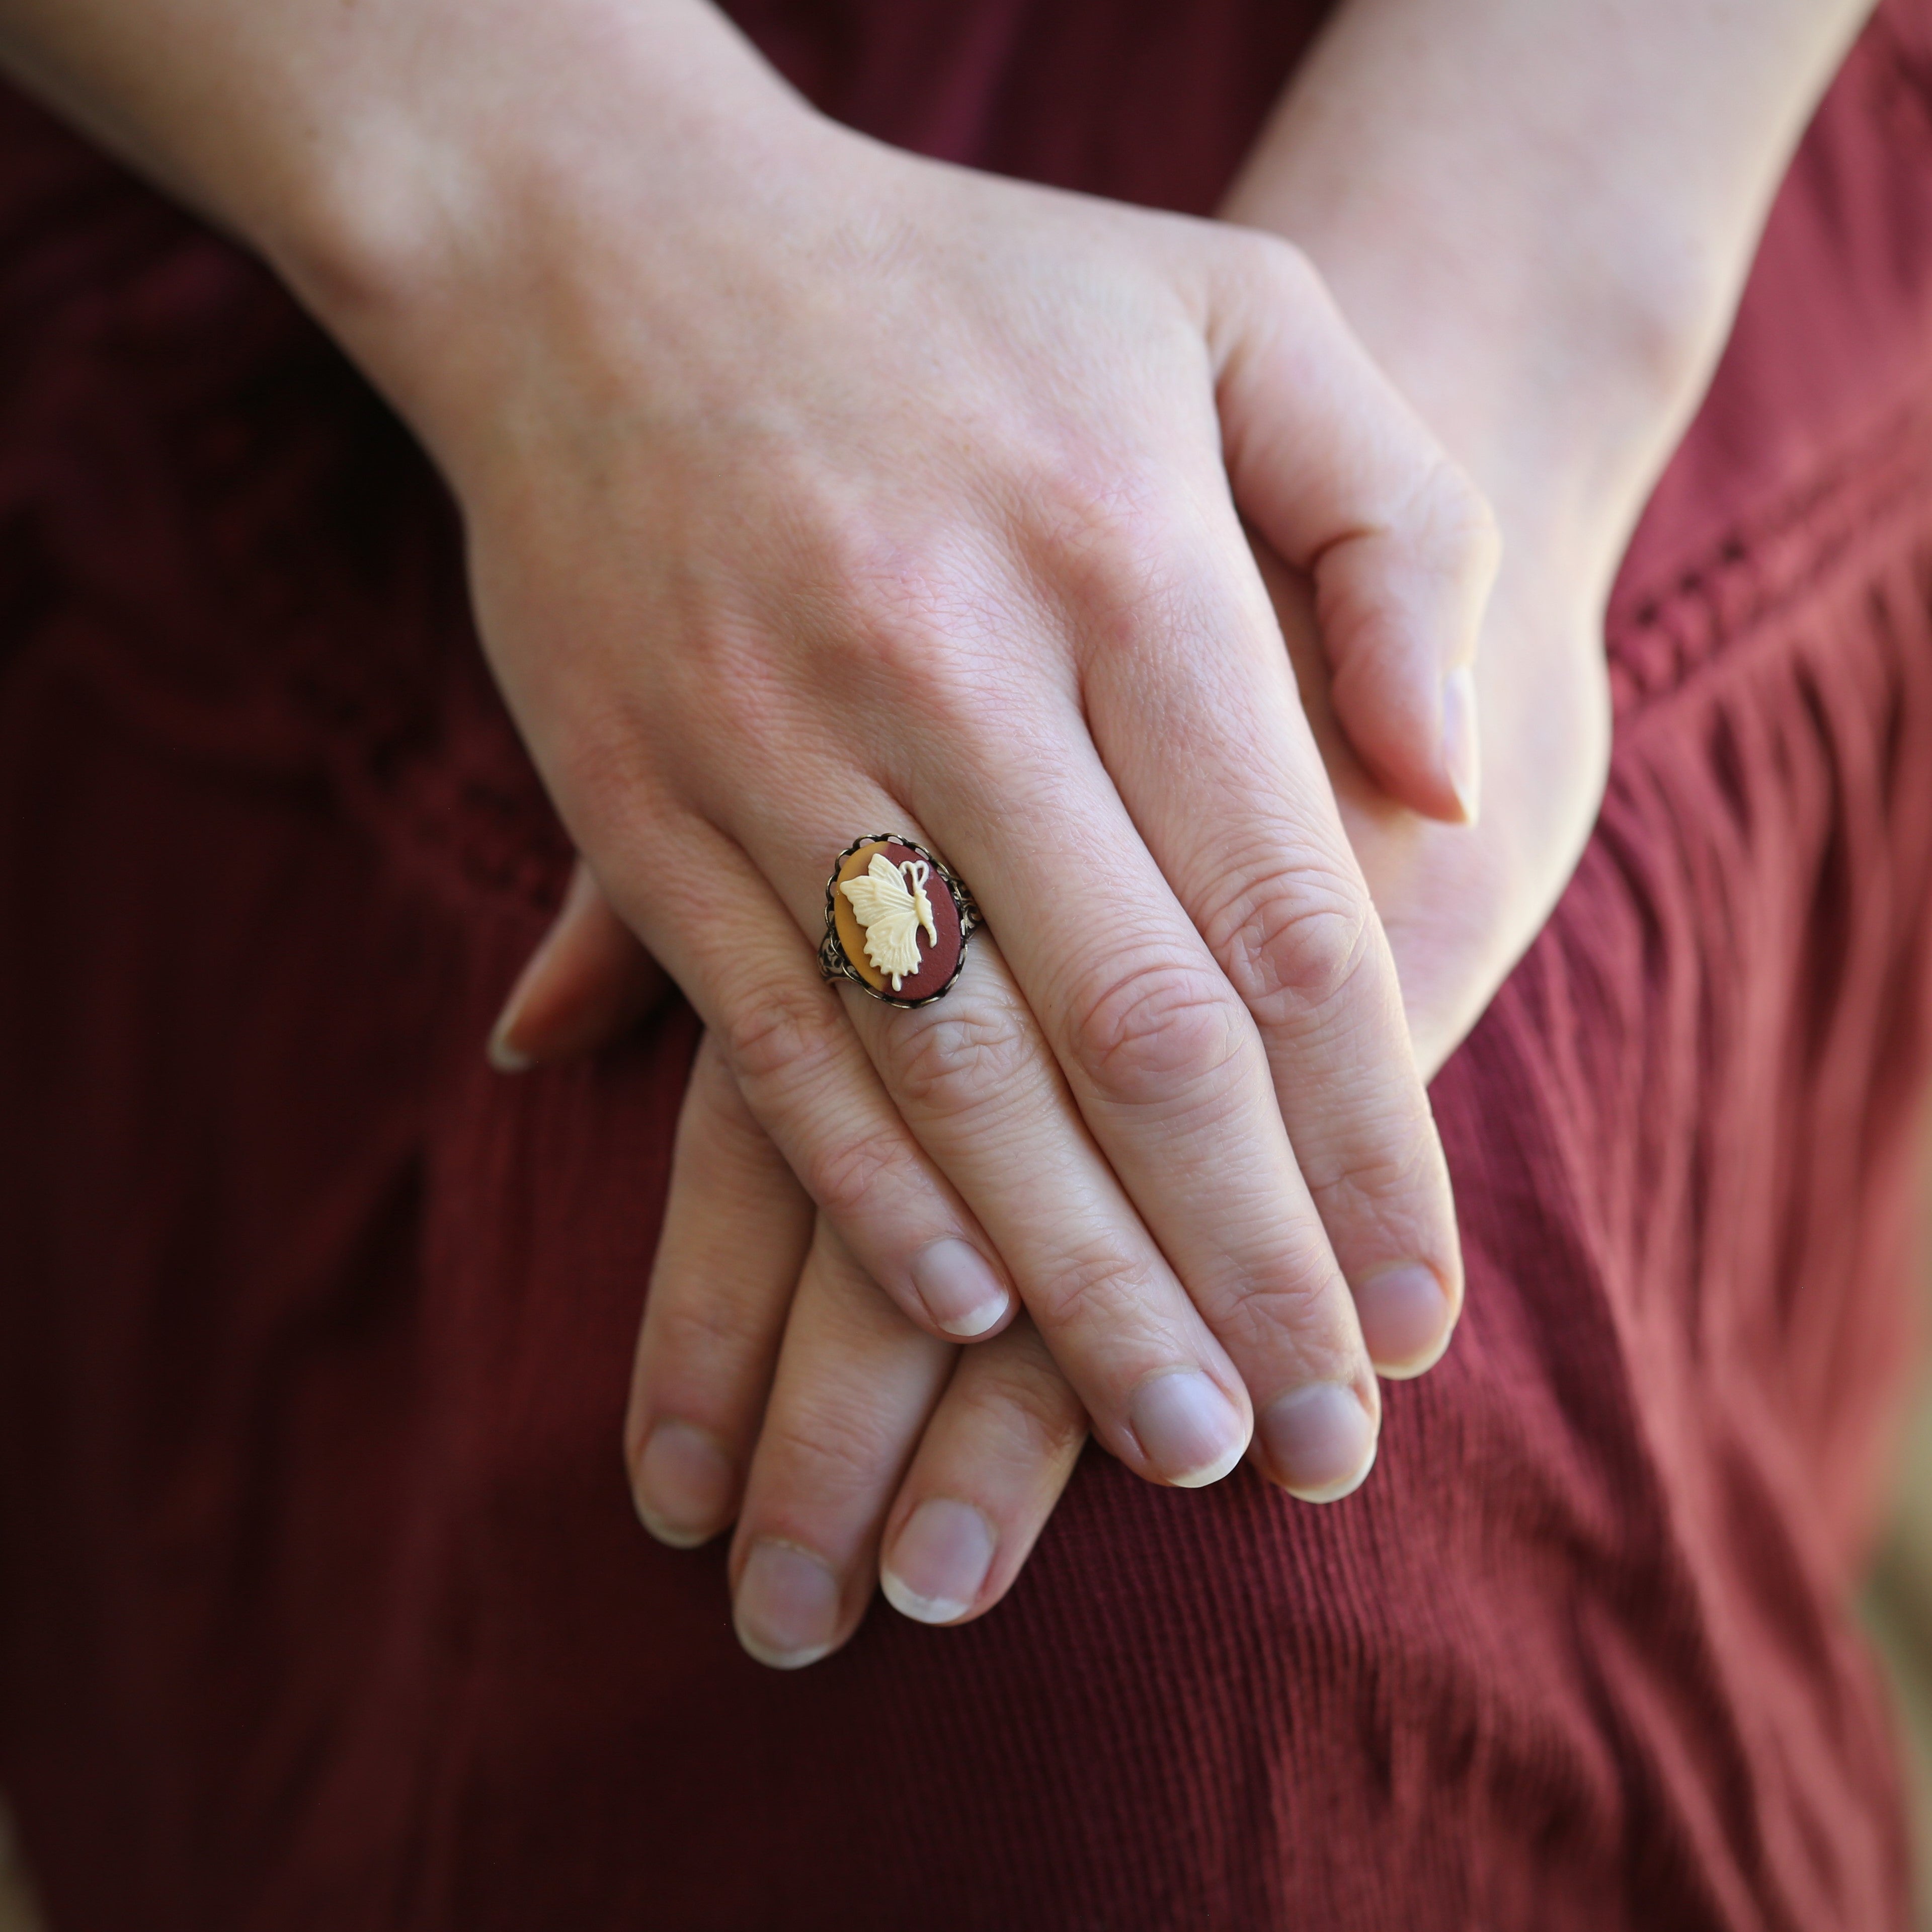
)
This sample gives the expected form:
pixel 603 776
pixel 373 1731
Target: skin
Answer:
pixel 660 324
pixel 1556 320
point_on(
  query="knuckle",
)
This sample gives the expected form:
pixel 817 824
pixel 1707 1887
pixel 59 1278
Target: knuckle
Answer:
pixel 825 1454
pixel 1403 1166
pixel 690 1332
pixel 1296 945
pixel 1161 1031
pixel 790 1036
pixel 961 684
pixel 1120 546
pixel 909 648
pixel 1287 268
pixel 1272 260
pixel 1085 502
pixel 1091 1287
pixel 1029 1417
pixel 920 634
pixel 1458 522
pixel 844 1176
pixel 955 1064
pixel 1304 1305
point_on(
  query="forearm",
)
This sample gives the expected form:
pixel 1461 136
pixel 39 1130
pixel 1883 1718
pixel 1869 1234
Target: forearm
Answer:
pixel 1555 205
pixel 354 146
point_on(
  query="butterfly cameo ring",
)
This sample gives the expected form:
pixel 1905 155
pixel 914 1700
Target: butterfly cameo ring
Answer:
pixel 896 921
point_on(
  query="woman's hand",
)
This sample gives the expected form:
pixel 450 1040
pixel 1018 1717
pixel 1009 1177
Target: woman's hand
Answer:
pixel 586 252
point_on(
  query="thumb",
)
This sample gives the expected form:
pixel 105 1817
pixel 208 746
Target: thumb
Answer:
pixel 587 984
pixel 1333 467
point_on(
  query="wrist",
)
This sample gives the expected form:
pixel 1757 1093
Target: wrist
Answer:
pixel 1560 379
pixel 458 206
pixel 415 172
pixel 1541 228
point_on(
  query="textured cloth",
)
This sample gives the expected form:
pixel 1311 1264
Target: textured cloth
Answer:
pixel 322 1604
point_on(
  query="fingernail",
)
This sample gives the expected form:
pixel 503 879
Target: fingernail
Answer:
pixel 787 1611
pixel 685 1486
pixel 958 1288
pixel 1405 1319
pixel 502 1052
pixel 1187 1429
pixel 1462 752
pixel 1321 1441
pixel 504 1057
pixel 939 1561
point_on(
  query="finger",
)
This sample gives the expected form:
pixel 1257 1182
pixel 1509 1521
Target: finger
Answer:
pixel 755 977
pixel 587 985
pixel 1344 479
pixel 1231 793
pixel 737 1228
pixel 855 1384
pixel 988 1473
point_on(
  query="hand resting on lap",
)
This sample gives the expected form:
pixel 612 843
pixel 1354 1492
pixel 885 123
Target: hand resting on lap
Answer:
pixel 1559 371
pixel 811 489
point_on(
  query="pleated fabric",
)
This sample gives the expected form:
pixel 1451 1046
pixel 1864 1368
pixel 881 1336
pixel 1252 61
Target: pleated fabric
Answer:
pixel 321 1601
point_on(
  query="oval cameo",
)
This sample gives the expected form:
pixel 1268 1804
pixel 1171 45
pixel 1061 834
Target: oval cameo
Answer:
pixel 897 921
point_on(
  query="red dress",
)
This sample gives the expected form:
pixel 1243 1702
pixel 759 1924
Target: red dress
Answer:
pixel 321 1600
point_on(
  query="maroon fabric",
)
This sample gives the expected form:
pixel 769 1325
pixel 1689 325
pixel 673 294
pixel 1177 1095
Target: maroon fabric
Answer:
pixel 321 1603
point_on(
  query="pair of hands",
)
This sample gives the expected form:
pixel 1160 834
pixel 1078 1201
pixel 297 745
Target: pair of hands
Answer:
pixel 923 510
pixel 811 489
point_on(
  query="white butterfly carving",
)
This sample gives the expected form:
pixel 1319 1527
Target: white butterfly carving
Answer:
pixel 889 901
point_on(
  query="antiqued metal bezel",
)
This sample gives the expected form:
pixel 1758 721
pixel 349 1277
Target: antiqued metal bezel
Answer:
pixel 832 962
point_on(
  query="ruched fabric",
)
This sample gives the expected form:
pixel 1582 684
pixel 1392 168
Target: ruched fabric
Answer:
pixel 322 1604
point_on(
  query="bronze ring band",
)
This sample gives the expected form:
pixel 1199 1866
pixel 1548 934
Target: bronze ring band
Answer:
pixel 896 921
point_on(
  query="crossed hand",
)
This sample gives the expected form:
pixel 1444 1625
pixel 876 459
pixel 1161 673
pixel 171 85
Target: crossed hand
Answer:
pixel 1212 1188
pixel 1088 549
